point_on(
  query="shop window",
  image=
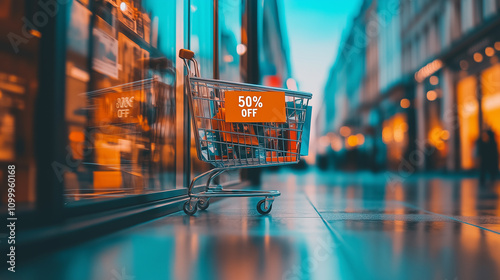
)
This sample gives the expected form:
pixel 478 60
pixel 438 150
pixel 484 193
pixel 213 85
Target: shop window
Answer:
pixel 437 136
pixel 202 35
pixel 468 112
pixel 231 46
pixel 468 120
pixel 120 99
pixel 395 137
pixel 202 44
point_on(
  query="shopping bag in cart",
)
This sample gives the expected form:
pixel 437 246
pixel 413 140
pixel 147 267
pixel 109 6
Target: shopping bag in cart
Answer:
pixel 234 132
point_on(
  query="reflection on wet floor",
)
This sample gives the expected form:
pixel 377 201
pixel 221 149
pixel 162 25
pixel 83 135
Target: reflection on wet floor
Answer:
pixel 324 226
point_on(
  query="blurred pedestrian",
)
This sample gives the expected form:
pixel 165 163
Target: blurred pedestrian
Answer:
pixel 488 156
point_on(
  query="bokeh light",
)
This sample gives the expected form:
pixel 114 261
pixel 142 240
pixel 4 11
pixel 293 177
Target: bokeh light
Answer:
pixel 405 103
pixel 434 80
pixel 489 51
pixel 478 57
pixel 345 131
pixel 431 95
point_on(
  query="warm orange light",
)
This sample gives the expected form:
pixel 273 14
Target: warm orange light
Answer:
pixel 35 33
pixel 434 80
pixel 403 126
pixel 440 146
pixel 431 95
pixel 489 51
pixel 445 135
pixel 394 135
pixel 478 57
pixel 352 141
pixel 399 135
pixel 428 70
pixel 405 103
pixel 435 137
pixel 387 134
pixel 107 179
pixel 497 46
pixel 345 131
pixel 361 138
pixel 76 136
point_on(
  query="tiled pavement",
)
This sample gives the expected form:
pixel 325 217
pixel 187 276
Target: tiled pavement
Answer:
pixel 324 226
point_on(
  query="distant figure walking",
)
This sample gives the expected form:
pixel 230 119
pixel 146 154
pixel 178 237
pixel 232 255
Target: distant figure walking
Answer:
pixel 488 153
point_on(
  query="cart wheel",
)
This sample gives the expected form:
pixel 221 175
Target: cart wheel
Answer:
pixel 260 207
pixel 188 209
pixel 203 204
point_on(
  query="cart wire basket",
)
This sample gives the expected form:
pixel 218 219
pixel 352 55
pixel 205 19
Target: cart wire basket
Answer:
pixel 234 145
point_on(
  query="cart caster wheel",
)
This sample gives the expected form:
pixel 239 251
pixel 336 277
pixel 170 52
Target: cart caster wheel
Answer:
pixel 188 209
pixel 260 207
pixel 203 204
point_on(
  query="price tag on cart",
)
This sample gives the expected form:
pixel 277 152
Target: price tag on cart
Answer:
pixel 249 107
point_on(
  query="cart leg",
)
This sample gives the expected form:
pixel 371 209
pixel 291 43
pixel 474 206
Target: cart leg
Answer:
pixel 265 205
pixel 190 206
pixel 213 176
pixel 191 185
pixel 268 202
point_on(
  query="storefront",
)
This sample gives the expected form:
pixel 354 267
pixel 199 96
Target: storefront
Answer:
pixel 92 107
pixel 436 136
pixel 478 96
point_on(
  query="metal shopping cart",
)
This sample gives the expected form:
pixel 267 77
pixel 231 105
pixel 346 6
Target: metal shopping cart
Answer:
pixel 231 145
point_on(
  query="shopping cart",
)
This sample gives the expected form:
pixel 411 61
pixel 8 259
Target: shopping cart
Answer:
pixel 229 146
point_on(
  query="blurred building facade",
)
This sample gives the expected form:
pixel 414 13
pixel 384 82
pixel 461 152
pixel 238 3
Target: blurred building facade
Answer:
pixel 347 81
pixel 434 88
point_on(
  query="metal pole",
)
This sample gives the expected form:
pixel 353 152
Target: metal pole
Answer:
pixel 50 127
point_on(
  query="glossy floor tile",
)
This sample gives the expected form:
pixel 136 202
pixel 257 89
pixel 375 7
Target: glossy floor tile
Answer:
pixel 324 226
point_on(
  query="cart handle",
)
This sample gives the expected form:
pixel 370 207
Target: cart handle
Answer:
pixel 187 56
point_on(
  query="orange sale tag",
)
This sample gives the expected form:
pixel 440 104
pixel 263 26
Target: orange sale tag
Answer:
pixel 244 106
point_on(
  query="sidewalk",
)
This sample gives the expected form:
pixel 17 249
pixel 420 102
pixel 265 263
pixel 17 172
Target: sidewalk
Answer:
pixel 324 226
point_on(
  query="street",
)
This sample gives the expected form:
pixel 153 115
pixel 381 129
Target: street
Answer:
pixel 324 226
